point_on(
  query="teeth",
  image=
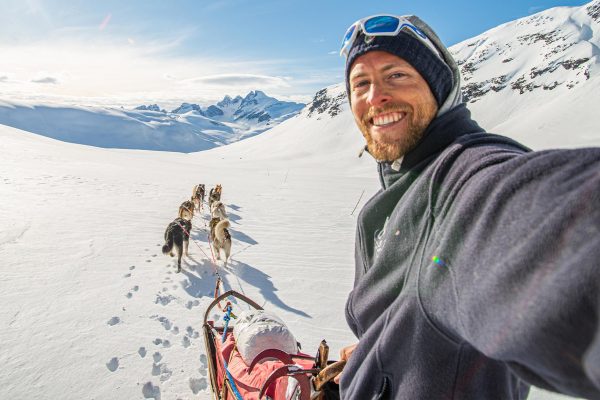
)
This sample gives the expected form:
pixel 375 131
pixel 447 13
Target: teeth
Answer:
pixel 387 119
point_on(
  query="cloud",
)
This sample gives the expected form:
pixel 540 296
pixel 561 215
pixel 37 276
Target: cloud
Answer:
pixel 241 79
pixel 46 79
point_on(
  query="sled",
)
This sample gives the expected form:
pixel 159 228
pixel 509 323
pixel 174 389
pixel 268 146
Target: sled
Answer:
pixel 273 374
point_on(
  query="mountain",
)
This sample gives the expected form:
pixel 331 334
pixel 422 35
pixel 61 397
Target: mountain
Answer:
pixel 256 109
pixel 536 78
pixel 151 107
pixel 551 50
pixel 188 128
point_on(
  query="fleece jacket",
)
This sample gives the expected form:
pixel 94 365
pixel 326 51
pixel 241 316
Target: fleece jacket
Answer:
pixel 477 271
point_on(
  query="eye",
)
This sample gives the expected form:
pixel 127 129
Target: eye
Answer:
pixel 397 75
pixel 360 84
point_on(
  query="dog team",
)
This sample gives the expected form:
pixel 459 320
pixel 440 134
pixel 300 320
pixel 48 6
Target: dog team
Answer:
pixel 177 234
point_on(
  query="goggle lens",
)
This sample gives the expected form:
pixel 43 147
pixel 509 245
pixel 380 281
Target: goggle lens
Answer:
pixel 381 24
pixel 348 36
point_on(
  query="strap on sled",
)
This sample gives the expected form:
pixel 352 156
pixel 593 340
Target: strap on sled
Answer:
pixel 294 371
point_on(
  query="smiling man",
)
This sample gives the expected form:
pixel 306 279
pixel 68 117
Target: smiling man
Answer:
pixel 477 263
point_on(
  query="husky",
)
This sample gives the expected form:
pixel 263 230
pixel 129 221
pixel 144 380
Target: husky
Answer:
pixel 198 196
pixel 220 238
pixel 214 195
pixel 186 210
pixel 177 239
pixel 217 210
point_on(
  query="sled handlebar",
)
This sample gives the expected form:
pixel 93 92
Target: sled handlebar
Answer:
pixel 232 293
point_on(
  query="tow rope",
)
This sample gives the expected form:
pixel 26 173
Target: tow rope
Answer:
pixel 227 318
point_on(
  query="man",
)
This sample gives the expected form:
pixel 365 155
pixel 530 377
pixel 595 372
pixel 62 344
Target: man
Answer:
pixel 478 262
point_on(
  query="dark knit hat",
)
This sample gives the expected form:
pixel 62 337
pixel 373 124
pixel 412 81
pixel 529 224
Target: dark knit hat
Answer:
pixel 436 72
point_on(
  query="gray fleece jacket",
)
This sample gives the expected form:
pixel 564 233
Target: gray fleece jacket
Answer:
pixel 477 271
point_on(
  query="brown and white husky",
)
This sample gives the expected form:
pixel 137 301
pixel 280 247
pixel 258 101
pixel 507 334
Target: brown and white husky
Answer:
pixel 220 238
pixel 198 196
pixel 217 210
pixel 186 210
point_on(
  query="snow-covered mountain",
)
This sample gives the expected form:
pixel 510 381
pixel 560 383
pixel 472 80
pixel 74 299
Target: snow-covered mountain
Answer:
pixel 537 79
pixel 554 50
pixel 186 129
pixel 256 109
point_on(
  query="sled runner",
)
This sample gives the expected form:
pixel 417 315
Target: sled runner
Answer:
pixel 250 361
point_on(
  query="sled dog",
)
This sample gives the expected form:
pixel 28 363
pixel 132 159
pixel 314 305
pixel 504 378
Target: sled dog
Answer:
pixel 177 239
pixel 220 238
pixel 214 195
pixel 217 210
pixel 186 210
pixel 198 196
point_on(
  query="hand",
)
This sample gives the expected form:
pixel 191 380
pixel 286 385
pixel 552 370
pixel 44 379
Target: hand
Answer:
pixel 345 354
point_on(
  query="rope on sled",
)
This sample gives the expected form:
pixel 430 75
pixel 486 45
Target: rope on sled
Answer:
pixel 227 318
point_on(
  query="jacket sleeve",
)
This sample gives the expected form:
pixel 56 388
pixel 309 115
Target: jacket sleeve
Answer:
pixel 512 264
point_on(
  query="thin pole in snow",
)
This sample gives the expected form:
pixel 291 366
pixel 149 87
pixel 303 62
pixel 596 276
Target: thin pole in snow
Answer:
pixel 361 195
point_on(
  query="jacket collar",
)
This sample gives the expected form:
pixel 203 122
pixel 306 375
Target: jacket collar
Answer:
pixel 440 133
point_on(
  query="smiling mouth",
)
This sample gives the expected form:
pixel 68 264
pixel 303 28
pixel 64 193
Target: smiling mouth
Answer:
pixel 387 118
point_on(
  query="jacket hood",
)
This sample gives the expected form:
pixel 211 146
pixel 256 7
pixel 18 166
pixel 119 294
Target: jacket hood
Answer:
pixel 454 97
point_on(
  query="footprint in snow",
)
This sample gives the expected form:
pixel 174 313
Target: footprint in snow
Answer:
pixel 129 295
pixel 190 304
pixel 159 341
pixel 142 352
pixel 135 288
pixel 132 268
pixel 162 370
pixel 157 357
pixel 163 300
pixel 127 275
pixel 185 342
pixel 165 323
pixel 150 391
pixel 113 364
pixel 113 321
pixel 198 384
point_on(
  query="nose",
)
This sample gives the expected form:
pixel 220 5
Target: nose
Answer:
pixel 378 95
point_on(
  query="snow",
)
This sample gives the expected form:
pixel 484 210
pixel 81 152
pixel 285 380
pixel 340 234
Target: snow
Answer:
pixel 91 307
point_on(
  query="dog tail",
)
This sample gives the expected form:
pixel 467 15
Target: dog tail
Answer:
pixel 221 232
pixel 168 246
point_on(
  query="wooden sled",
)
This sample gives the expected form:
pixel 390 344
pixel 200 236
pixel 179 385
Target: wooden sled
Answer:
pixel 273 374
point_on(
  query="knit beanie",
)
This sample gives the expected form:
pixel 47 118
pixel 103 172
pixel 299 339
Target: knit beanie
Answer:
pixel 432 68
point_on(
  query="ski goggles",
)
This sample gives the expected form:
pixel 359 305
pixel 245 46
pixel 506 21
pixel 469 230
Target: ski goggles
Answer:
pixel 382 25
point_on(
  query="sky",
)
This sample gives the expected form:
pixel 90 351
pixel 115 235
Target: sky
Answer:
pixel 143 52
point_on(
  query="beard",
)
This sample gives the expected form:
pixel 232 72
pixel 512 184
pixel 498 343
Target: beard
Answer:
pixel 417 120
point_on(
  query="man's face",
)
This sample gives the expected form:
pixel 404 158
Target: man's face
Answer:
pixel 391 102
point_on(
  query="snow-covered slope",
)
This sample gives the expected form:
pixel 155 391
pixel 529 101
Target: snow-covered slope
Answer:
pixel 533 77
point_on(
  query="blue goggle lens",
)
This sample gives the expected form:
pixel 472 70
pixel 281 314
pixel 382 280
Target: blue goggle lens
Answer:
pixel 381 24
pixel 348 35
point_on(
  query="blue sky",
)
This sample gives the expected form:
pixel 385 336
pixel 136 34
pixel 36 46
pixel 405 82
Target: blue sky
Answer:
pixel 131 52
